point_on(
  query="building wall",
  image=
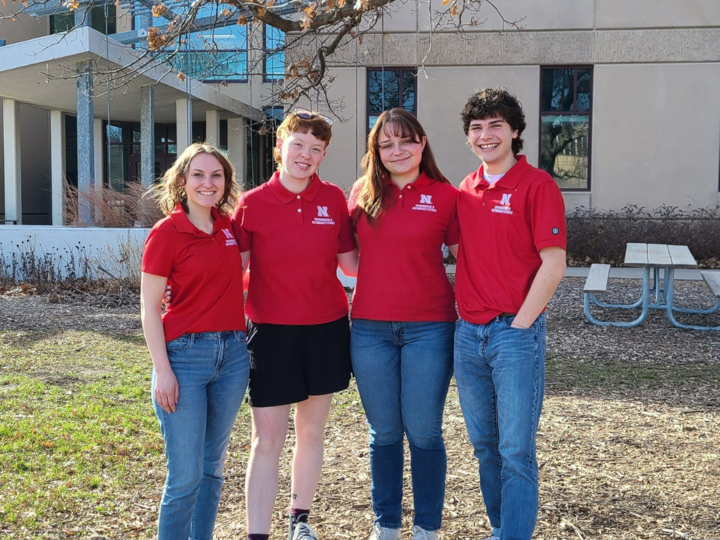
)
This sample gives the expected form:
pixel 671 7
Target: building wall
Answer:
pixel 656 83
pixel 656 135
pixel 23 28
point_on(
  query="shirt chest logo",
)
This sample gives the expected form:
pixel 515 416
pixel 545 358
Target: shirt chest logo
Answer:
pixel 323 217
pixel 229 238
pixel 425 204
pixel 503 207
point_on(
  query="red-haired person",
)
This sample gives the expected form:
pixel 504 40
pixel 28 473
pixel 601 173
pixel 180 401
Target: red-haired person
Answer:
pixel 198 346
pixel 294 230
pixel 403 318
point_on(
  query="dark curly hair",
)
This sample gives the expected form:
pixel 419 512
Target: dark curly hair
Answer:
pixel 496 102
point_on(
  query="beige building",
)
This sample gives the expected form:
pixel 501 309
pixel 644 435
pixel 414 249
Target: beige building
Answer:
pixel 622 97
pixel 622 100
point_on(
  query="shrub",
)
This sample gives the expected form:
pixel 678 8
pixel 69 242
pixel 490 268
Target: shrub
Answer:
pixel 601 236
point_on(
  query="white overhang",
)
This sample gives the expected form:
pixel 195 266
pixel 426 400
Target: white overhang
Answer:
pixel 40 72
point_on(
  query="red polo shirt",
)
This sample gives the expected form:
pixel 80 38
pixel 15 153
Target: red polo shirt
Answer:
pixel 294 239
pixel 504 227
pixel 204 270
pixel 401 275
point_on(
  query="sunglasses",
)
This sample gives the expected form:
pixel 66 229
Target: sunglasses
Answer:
pixel 309 115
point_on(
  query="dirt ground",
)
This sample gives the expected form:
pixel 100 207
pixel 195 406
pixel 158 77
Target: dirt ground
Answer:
pixel 629 442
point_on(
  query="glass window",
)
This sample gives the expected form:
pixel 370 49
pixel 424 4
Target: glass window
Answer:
pixel 389 88
pixel 565 115
pixel 274 57
pixel 64 22
pixel 215 54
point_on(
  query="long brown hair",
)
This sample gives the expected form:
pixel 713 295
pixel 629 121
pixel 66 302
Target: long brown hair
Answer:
pixel 373 188
pixel 170 190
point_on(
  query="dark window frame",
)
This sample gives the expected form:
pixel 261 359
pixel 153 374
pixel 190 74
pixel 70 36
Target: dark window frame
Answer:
pixel 589 114
pixel 370 112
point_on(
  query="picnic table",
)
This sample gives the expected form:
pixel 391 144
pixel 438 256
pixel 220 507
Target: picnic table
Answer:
pixel 658 262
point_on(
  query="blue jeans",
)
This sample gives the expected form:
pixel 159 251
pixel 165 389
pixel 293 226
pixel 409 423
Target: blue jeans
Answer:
pixel 212 370
pixel 500 374
pixel 403 371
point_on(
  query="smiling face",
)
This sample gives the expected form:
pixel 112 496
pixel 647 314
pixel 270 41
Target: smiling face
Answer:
pixel 301 155
pixel 491 140
pixel 401 156
pixel 204 182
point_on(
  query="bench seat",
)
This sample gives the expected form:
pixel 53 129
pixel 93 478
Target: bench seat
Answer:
pixel 713 281
pixel 597 278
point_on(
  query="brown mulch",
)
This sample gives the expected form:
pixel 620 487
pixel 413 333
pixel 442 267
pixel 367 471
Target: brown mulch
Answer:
pixel 629 442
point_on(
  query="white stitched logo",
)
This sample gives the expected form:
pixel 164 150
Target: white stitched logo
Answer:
pixel 503 207
pixel 425 204
pixel 323 217
pixel 229 238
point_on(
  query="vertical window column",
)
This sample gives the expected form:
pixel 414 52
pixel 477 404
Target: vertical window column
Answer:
pixel 565 117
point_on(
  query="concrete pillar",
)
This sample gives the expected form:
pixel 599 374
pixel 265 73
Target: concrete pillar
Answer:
pixel 237 147
pixel 212 127
pixel 98 154
pixel 85 140
pixel 11 149
pixel 183 114
pixel 147 136
pixel 57 166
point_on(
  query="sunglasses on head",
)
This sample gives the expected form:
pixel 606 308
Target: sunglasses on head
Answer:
pixel 309 115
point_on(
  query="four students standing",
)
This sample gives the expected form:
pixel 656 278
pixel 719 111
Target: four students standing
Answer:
pixel 294 232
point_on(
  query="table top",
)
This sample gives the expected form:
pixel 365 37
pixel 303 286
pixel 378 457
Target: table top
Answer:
pixel 659 255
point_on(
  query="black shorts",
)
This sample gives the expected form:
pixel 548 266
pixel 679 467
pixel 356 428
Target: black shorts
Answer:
pixel 289 363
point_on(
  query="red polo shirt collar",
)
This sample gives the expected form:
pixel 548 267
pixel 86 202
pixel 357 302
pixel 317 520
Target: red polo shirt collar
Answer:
pixel 510 180
pixel 420 183
pixel 184 225
pixel 285 195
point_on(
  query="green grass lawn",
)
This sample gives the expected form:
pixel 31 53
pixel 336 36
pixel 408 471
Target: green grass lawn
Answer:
pixel 76 425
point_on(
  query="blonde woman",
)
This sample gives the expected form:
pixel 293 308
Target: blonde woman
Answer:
pixel 198 346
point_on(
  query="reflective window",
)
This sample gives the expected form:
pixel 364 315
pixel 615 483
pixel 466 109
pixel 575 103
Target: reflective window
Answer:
pixel 390 88
pixel 565 115
pixel 216 54
pixel 274 56
pixel 64 22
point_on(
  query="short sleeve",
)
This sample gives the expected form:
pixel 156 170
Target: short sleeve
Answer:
pixel 244 238
pixel 547 212
pixel 352 204
pixel 159 253
pixel 452 234
pixel 346 235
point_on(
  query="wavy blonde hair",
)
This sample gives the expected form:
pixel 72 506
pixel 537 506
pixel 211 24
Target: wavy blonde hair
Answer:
pixel 170 190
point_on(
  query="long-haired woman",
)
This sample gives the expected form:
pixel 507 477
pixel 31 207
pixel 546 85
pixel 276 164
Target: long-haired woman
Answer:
pixel 403 314
pixel 198 346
